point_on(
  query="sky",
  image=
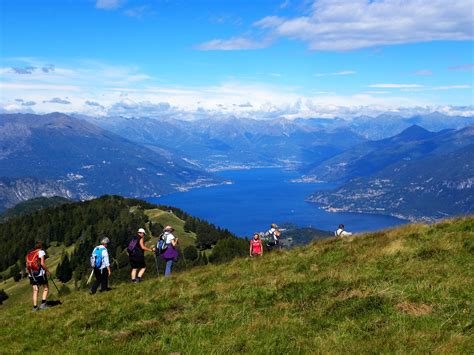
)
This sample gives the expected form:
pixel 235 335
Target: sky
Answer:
pixel 258 59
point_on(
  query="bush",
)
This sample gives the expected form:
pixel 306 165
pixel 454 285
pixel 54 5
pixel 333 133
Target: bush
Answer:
pixel 190 253
pixel 3 296
pixel 228 249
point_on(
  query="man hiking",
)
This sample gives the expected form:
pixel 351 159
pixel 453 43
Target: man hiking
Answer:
pixel 341 232
pixel 274 235
pixel 136 252
pixel 256 246
pixel 37 273
pixel 101 264
pixel 169 252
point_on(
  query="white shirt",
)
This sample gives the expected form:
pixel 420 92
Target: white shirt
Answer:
pixel 105 257
pixel 342 233
pixel 168 237
pixel 272 233
pixel 41 254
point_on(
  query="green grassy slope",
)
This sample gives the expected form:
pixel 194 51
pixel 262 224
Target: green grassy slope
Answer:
pixel 409 289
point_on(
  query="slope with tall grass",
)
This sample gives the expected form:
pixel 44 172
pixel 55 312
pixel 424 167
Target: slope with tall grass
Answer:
pixel 409 289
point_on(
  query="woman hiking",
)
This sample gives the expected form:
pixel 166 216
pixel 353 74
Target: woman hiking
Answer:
pixel 256 246
pixel 170 253
pixel 37 273
pixel 136 252
pixel 101 264
pixel 340 232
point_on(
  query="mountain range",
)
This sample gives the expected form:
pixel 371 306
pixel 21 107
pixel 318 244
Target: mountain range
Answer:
pixel 416 175
pixel 56 154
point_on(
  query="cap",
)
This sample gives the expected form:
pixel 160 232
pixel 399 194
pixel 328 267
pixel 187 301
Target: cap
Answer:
pixel 141 230
pixel 105 240
pixel 168 228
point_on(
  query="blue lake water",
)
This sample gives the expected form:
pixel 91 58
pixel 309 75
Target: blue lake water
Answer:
pixel 259 197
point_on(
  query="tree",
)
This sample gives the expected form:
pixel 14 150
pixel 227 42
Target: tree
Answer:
pixel 228 249
pixel 3 296
pixel 64 270
pixel 15 272
pixel 190 253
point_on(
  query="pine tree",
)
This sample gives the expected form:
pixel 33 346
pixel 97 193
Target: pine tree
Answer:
pixel 64 270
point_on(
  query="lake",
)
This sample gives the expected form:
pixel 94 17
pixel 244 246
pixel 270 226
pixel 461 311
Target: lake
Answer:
pixel 259 197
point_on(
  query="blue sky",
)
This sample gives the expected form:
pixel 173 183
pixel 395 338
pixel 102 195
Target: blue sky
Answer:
pixel 261 59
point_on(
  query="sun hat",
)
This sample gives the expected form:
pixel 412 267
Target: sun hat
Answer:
pixel 141 230
pixel 168 228
pixel 105 241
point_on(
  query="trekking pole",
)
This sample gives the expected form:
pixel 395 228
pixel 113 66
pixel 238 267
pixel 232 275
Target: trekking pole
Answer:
pixel 156 264
pixel 90 277
pixel 57 289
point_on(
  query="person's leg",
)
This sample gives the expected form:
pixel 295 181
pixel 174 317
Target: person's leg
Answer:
pixel 141 272
pixel 35 296
pixel 96 282
pixel 134 274
pixel 45 295
pixel 169 263
pixel 104 280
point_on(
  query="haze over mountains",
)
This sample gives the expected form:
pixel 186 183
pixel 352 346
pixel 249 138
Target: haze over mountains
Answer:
pixel 386 164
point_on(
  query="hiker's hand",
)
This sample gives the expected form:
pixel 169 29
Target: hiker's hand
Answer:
pixel 110 272
pixel 48 273
pixel 153 249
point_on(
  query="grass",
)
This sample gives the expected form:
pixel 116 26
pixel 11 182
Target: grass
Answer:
pixel 404 290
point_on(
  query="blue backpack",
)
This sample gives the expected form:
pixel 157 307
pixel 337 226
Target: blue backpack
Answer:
pixel 96 257
pixel 161 245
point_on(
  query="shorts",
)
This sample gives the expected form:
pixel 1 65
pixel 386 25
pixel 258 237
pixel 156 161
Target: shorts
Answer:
pixel 137 263
pixel 38 280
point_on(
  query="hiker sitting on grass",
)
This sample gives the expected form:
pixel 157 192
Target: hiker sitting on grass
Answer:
pixel 341 232
pixel 168 250
pixel 37 273
pixel 256 246
pixel 101 264
pixel 136 252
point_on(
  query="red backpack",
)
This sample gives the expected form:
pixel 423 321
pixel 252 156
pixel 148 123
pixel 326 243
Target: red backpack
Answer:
pixel 33 261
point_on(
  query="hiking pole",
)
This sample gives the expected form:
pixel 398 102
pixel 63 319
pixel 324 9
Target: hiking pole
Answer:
pixel 156 264
pixel 57 289
pixel 90 277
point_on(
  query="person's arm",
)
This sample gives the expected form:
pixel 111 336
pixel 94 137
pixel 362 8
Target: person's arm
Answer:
pixel 250 251
pixel 107 261
pixel 174 242
pixel 43 265
pixel 261 247
pixel 142 245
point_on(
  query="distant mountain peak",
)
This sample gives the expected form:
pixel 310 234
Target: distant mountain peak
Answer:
pixel 414 132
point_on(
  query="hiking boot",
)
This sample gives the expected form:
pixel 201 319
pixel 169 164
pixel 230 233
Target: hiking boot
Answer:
pixel 35 309
pixel 139 279
pixel 134 280
pixel 43 306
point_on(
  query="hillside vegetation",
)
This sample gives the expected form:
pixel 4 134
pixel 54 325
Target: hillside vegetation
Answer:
pixel 409 289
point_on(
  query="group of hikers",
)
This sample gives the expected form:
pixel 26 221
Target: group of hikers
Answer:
pixel 165 248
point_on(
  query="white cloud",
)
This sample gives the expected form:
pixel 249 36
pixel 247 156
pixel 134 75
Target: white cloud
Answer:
pixel 395 86
pixel 343 72
pixel 109 4
pixel 424 72
pixel 341 25
pixel 95 88
pixel 452 87
pixel 232 44
pixel 464 67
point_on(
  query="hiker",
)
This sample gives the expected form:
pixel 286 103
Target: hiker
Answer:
pixel 341 232
pixel 256 246
pixel 274 235
pixel 136 252
pixel 101 264
pixel 37 273
pixel 169 252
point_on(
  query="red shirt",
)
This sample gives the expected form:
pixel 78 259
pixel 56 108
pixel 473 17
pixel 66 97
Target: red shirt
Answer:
pixel 256 246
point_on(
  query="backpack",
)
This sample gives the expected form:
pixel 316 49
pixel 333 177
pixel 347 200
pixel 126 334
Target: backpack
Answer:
pixel 161 245
pixel 132 246
pixel 96 257
pixel 33 262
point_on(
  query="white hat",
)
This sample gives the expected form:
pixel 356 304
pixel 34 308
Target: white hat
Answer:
pixel 141 230
pixel 105 241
